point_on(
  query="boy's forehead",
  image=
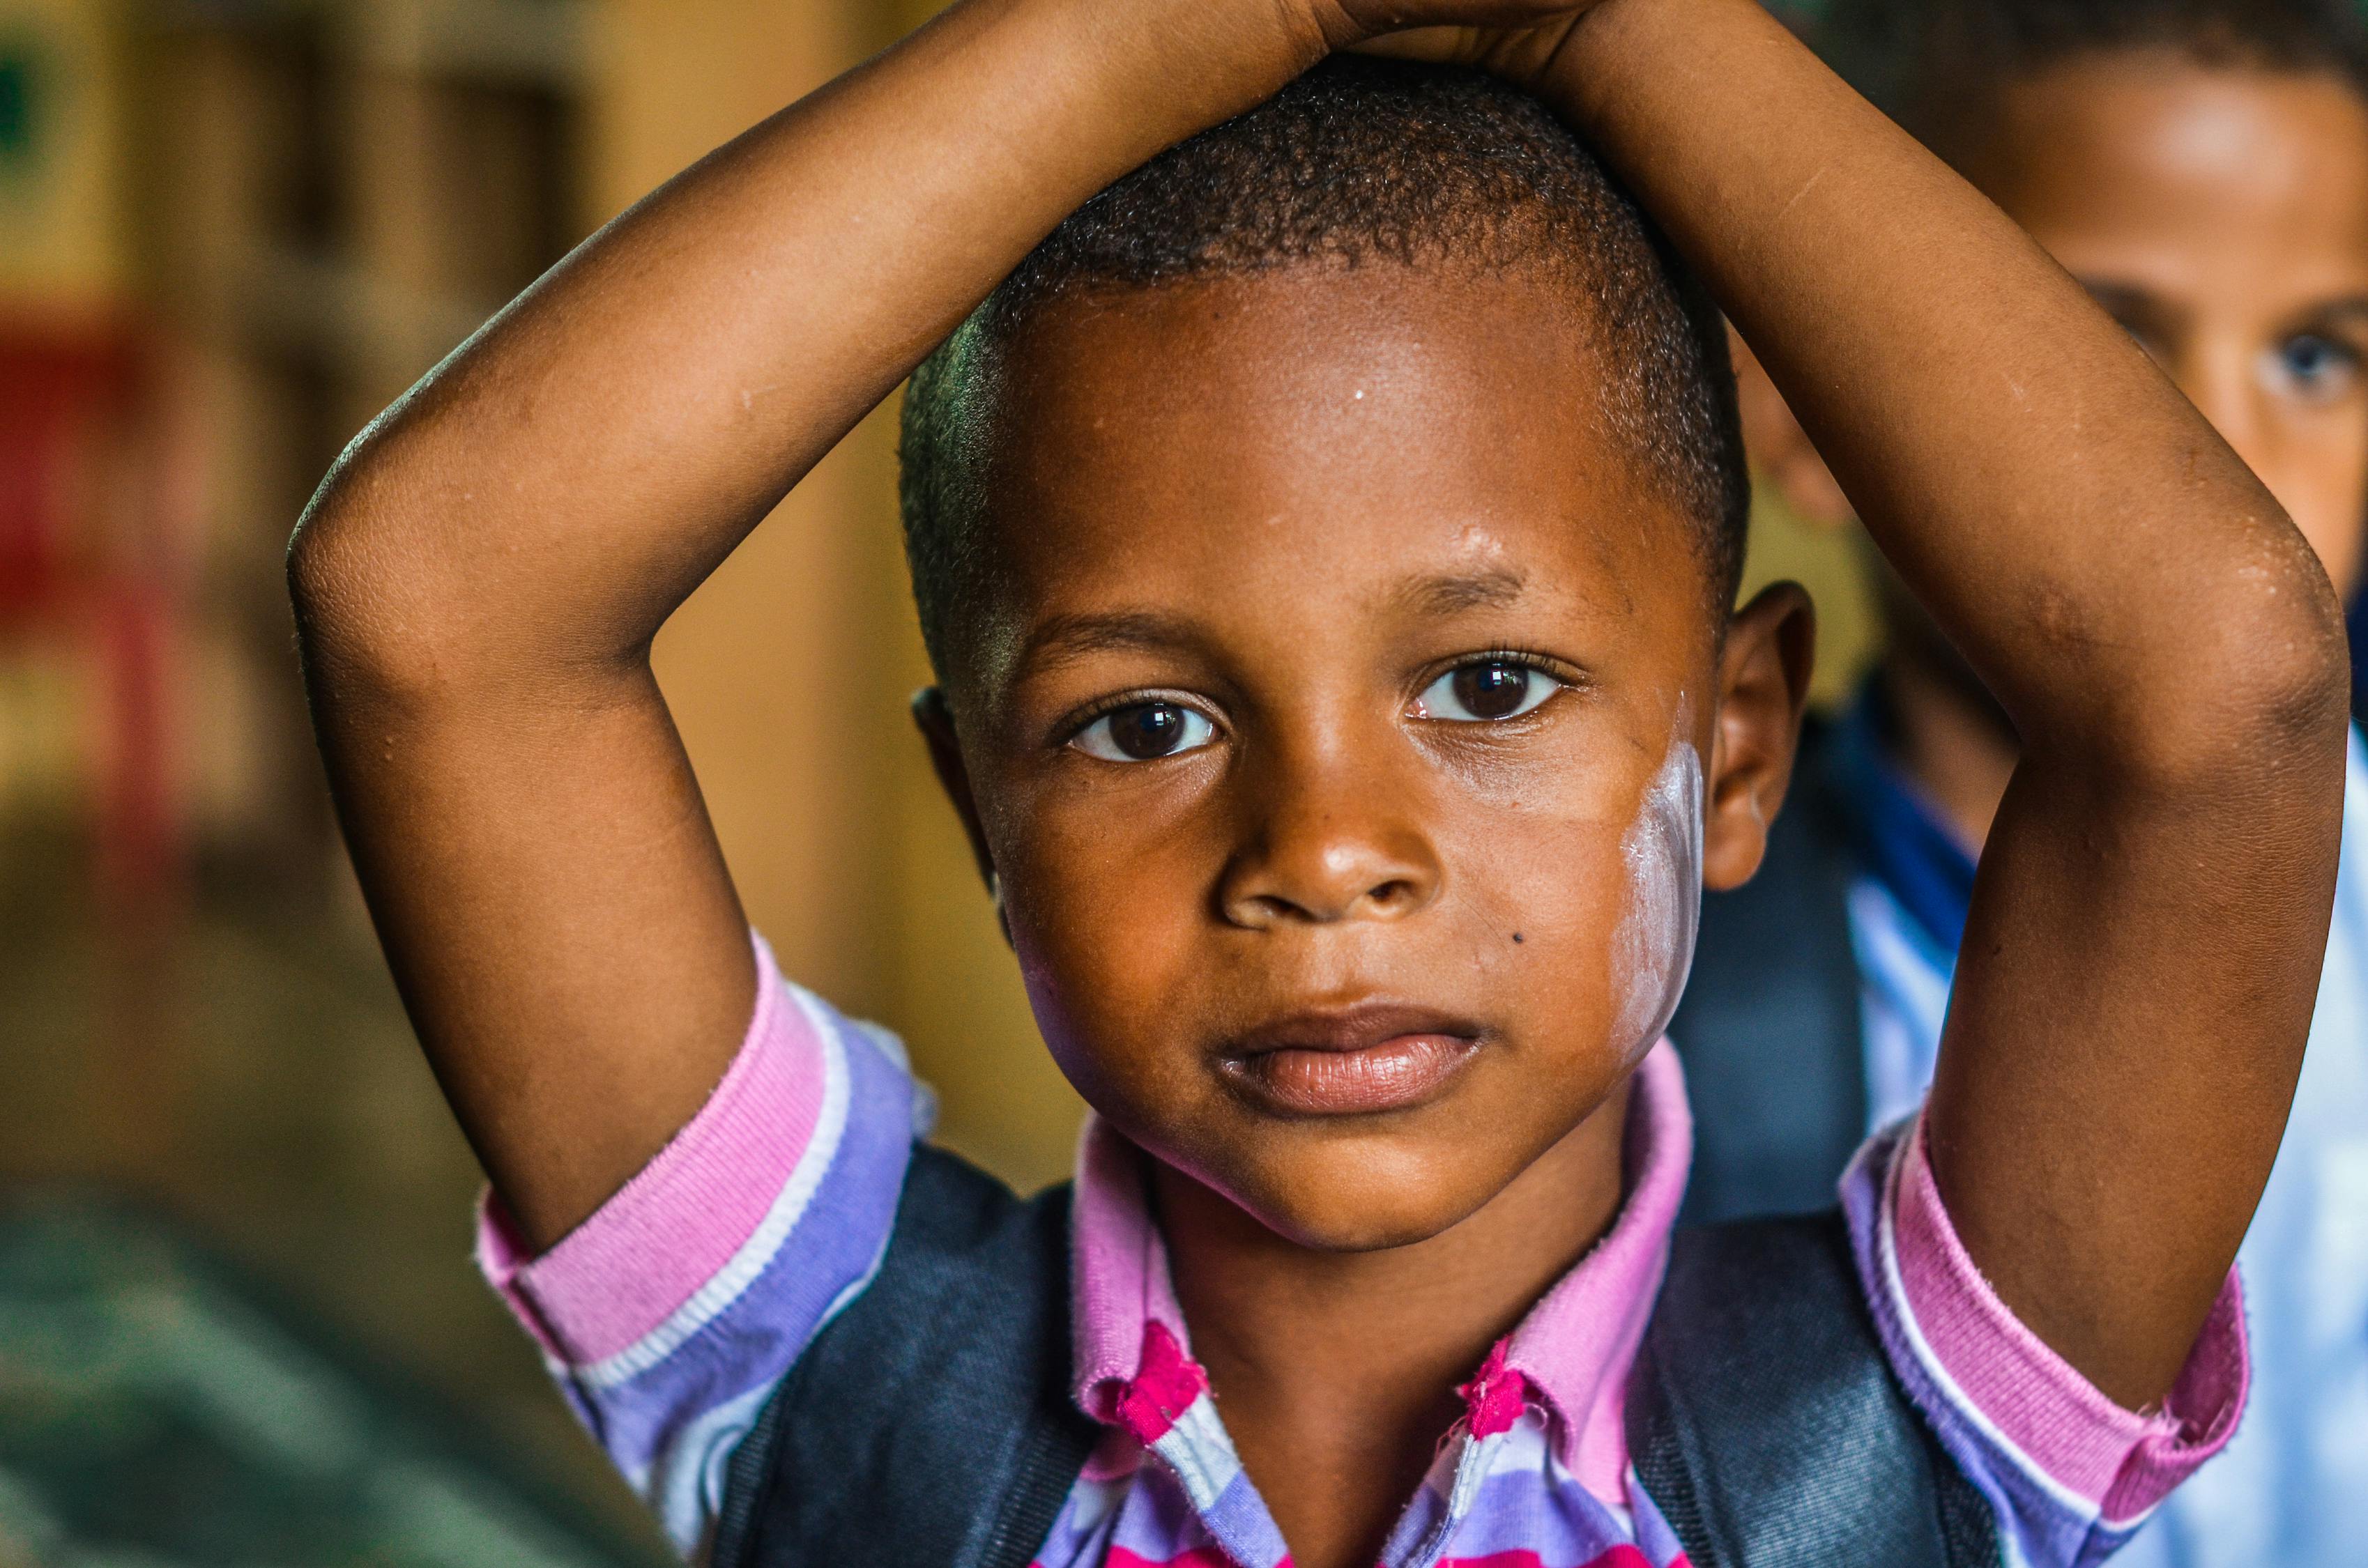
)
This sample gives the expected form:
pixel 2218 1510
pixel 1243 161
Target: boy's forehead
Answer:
pixel 1370 439
pixel 1303 375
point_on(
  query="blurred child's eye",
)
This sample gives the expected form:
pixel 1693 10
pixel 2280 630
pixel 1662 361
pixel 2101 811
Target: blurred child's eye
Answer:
pixel 1491 690
pixel 1145 733
pixel 2312 367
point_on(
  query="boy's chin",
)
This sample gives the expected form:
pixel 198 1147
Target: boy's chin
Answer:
pixel 1346 1196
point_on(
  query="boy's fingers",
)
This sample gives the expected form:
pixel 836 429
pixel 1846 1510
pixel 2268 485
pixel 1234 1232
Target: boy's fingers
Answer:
pixel 1519 54
pixel 1436 46
pixel 1374 19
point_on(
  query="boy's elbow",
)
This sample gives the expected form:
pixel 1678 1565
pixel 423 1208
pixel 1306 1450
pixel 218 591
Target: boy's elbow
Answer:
pixel 2291 659
pixel 2266 684
pixel 364 602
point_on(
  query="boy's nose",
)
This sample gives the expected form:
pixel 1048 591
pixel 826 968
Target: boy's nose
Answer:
pixel 1328 846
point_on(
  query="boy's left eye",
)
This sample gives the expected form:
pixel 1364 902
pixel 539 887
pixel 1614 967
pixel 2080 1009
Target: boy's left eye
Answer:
pixel 1486 692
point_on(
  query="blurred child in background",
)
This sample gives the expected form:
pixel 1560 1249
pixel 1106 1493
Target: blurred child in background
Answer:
pixel 2202 167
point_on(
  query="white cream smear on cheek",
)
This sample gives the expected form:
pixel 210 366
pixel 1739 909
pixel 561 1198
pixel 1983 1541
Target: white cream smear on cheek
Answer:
pixel 1653 951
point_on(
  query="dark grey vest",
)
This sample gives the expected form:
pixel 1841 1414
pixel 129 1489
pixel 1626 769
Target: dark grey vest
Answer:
pixel 930 1423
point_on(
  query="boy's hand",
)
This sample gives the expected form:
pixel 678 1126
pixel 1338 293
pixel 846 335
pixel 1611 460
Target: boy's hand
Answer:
pixel 1514 39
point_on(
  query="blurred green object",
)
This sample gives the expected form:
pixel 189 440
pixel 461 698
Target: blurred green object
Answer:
pixel 158 1411
pixel 19 74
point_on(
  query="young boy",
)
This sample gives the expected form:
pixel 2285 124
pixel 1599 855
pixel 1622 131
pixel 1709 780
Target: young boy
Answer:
pixel 1327 540
pixel 2202 167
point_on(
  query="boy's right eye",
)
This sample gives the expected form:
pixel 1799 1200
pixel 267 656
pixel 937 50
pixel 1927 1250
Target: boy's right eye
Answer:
pixel 2314 368
pixel 1145 731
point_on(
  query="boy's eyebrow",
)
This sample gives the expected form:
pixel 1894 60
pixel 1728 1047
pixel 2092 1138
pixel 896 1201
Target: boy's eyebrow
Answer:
pixel 1452 593
pixel 1062 638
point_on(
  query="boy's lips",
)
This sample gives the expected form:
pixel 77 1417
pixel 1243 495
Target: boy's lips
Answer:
pixel 1351 1062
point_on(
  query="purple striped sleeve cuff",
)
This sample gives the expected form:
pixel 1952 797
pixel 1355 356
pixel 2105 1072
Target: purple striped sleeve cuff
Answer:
pixel 2071 1474
pixel 669 1316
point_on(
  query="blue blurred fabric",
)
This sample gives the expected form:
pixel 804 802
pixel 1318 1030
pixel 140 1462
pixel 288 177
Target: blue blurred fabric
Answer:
pixel 2360 659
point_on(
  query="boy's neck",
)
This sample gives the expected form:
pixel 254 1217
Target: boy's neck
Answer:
pixel 1336 1372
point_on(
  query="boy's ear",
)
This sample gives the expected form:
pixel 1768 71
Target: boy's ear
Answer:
pixel 934 717
pixel 1779 450
pixel 1772 649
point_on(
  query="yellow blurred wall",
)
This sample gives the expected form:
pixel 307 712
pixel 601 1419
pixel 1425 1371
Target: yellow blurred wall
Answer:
pixel 1826 562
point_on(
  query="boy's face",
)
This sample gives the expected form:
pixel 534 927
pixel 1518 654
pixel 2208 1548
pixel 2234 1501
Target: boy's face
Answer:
pixel 2221 216
pixel 1336 741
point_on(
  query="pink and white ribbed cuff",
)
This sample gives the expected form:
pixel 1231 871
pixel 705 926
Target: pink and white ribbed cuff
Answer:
pixel 2123 1461
pixel 671 1228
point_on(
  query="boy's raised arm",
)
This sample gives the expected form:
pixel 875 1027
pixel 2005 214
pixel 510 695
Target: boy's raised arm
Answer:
pixel 479 580
pixel 2137 976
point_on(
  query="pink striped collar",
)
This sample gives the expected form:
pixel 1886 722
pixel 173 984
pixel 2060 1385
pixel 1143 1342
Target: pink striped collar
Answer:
pixel 1571 1354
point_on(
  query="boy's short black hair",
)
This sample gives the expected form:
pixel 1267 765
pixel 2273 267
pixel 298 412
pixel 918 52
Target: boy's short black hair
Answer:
pixel 1938 66
pixel 1361 161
